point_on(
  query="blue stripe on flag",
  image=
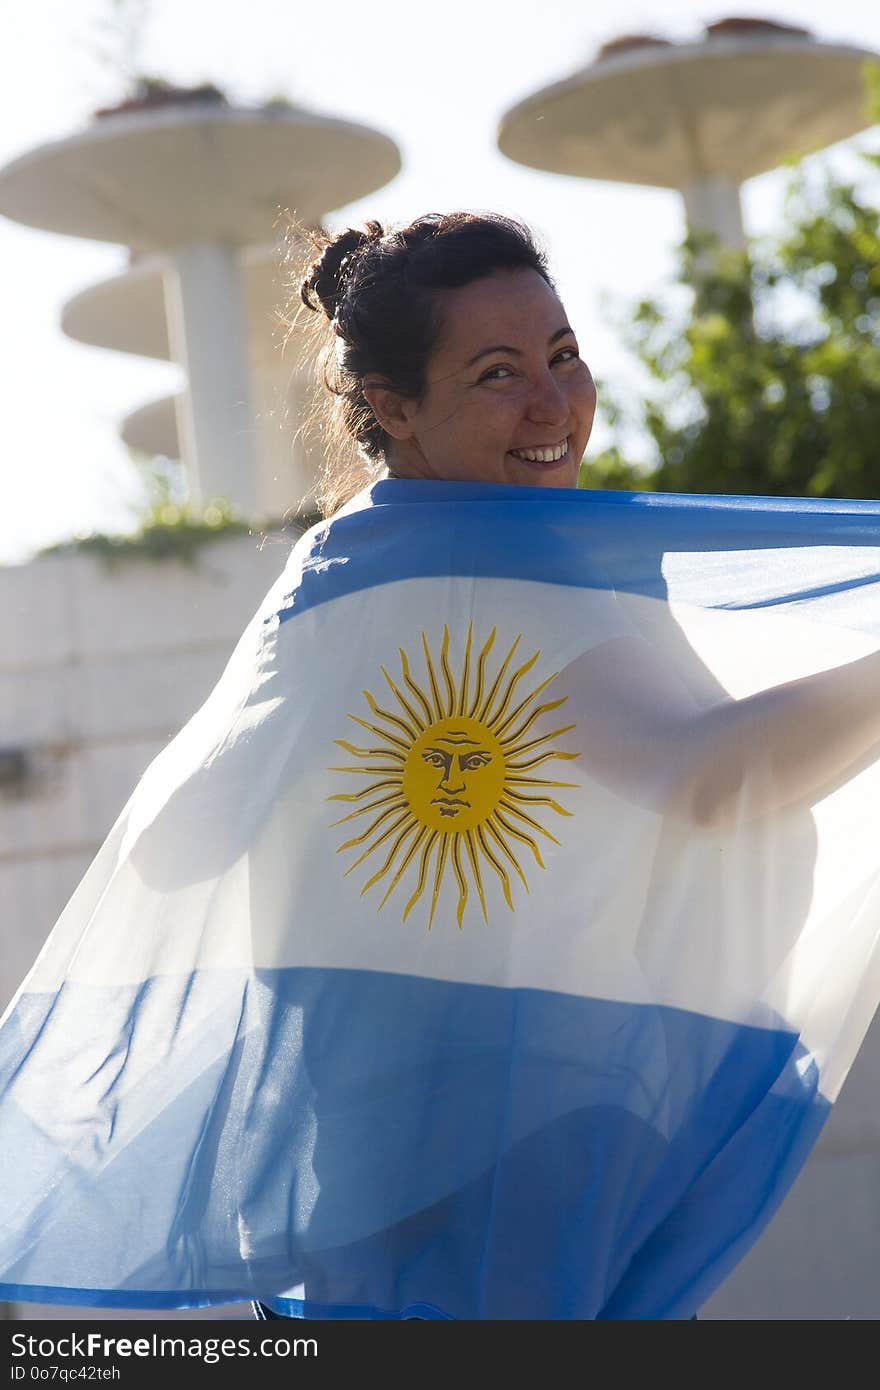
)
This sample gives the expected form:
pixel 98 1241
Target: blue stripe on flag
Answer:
pixel 478 1152
pixel 578 538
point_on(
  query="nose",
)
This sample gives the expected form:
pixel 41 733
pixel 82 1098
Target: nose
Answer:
pixel 548 404
pixel 447 784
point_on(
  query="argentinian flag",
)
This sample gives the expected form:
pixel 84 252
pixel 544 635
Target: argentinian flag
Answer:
pixel 492 943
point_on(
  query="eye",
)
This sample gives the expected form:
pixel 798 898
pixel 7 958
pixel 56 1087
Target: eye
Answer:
pixel 473 761
pixel 569 354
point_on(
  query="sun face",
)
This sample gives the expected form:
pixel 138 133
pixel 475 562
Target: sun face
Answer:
pixel 453 776
pixel 452 784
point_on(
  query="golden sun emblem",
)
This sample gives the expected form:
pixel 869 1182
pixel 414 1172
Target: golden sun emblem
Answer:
pixel 452 777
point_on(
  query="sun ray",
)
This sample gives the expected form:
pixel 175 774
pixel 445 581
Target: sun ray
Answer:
pixel 487 703
pixel 529 820
pixel 533 742
pixel 368 752
pixel 438 703
pixel 369 771
pixel 499 868
pixel 383 733
pixel 374 787
pixel 438 875
pixel 423 874
pixel 372 806
pixel 505 847
pixel 524 839
pixel 498 729
pixel 391 856
pixel 447 674
pixel 460 879
pixel 542 758
pixel 492 719
pixel 405 862
pixel 402 701
pixel 392 718
pixel 481 666
pixel 359 840
pixel 429 713
pixel 536 714
pixel 538 782
pixel 475 867
pixel 465 674
pixel 541 801
pixel 376 844
pixel 371 849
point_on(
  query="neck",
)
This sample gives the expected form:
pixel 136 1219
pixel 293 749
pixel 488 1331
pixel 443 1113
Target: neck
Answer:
pixel 403 460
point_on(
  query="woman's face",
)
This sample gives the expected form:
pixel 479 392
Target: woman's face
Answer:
pixel 505 383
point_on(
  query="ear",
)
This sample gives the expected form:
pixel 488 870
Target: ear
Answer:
pixel 394 412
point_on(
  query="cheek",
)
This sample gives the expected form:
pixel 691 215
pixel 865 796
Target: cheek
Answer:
pixel 588 389
pixel 497 421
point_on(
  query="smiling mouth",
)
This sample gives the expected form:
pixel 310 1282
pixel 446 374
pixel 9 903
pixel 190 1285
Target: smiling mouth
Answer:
pixel 547 454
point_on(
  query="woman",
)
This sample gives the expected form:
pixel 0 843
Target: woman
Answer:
pixel 510 1009
pixel 492 388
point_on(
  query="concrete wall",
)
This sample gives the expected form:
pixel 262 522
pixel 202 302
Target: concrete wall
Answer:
pixel 98 670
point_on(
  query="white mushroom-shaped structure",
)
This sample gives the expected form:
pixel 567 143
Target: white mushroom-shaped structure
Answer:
pixel 128 314
pixel 700 117
pixel 188 178
pixel 152 428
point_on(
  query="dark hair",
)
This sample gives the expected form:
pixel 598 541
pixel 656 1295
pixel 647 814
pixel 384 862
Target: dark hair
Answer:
pixel 374 294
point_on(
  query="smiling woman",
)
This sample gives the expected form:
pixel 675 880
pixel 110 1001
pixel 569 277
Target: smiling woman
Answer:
pixel 449 355
pixel 518 410
pixel 495 939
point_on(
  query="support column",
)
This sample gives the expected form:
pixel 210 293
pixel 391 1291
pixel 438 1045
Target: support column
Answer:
pixel 208 336
pixel 712 204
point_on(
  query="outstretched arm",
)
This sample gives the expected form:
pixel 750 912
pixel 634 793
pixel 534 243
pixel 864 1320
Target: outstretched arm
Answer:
pixel 645 737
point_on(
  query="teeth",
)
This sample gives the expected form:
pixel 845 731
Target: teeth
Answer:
pixel 543 455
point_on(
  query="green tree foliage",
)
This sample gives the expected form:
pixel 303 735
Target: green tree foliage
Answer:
pixel 765 378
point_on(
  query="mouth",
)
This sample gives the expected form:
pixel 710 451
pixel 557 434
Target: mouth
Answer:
pixel 548 456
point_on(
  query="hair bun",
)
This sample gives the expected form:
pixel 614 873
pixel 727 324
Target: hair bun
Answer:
pixel 327 277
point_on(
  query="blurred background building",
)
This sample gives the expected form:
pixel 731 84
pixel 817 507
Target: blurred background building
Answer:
pixel 698 117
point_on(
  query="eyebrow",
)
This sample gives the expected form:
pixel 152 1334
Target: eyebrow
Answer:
pixel 517 352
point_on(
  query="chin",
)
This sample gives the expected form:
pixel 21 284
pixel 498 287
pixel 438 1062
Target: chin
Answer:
pixel 524 474
pixel 566 479
pixel 549 477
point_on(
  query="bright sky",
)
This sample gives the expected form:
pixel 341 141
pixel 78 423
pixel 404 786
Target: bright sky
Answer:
pixel 434 77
